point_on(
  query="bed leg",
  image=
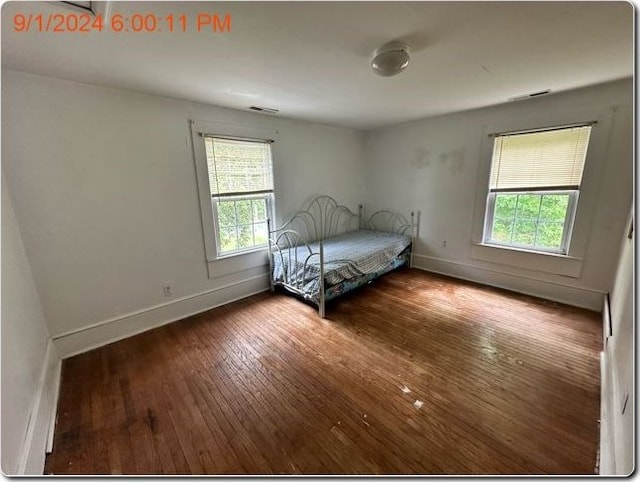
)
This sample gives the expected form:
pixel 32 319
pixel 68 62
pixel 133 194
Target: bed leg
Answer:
pixel 271 286
pixel 322 300
pixel 413 238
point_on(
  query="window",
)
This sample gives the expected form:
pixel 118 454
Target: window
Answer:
pixel 534 187
pixel 241 186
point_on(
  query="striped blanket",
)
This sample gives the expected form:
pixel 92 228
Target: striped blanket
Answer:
pixel 346 256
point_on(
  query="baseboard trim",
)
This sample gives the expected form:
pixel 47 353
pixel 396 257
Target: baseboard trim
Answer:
pixel 114 329
pixel 607 329
pixel 42 409
pixel 550 290
pixel 606 454
pixel 53 417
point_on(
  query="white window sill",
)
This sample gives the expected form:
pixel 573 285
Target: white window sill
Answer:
pixel 525 250
pixel 234 263
pixel 235 254
pixel 546 262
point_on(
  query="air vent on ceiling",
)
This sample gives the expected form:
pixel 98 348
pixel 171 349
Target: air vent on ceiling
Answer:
pixel 266 110
pixel 533 94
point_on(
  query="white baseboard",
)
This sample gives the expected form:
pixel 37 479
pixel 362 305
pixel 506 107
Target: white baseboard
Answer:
pixel 108 331
pixel 550 290
pixel 53 416
pixel 606 320
pixel 43 408
pixel 606 450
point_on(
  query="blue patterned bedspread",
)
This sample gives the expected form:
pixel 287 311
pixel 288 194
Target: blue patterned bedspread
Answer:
pixel 346 256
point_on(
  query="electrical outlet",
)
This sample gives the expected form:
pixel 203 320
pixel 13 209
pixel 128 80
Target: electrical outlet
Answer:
pixel 444 243
pixel 167 288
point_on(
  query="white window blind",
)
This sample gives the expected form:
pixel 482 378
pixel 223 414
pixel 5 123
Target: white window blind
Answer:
pixel 238 166
pixel 541 160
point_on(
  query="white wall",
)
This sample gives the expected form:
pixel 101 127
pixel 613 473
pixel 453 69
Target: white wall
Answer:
pixel 618 401
pixel 104 187
pixel 439 166
pixel 28 359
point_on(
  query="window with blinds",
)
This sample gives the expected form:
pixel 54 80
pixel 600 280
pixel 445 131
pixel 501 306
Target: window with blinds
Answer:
pixel 534 186
pixel 241 185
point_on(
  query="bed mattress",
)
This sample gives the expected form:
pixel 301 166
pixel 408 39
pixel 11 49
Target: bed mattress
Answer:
pixel 346 256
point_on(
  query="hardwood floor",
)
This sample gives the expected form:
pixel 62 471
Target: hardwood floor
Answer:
pixel 413 374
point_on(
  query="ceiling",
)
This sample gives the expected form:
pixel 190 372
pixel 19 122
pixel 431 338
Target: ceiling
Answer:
pixel 311 60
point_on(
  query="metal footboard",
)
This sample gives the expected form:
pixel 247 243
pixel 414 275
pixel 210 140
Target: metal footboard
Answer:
pixel 393 222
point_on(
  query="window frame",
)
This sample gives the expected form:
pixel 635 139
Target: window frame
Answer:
pixel 537 264
pixel 253 260
pixel 236 195
pixel 572 208
pixel 566 228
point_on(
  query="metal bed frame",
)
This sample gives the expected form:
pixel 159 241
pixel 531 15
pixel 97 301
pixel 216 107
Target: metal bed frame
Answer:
pixel 322 219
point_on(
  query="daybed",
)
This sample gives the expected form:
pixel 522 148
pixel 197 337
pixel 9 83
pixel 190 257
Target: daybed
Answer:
pixel 326 250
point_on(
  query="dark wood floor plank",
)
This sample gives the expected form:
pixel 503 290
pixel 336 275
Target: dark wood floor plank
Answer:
pixel 412 374
pixel 261 391
pixel 351 396
pixel 294 391
pixel 288 412
pixel 364 394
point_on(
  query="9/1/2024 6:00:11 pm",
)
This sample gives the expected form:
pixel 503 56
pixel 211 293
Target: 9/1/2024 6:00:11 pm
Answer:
pixel 118 23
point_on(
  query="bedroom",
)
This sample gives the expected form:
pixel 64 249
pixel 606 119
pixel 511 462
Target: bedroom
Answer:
pixel 111 215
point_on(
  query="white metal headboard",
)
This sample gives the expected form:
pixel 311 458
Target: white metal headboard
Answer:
pixel 322 218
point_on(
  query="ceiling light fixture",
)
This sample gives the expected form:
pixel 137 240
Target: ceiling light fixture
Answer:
pixel 390 59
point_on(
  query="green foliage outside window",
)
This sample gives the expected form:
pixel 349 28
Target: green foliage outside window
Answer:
pixel 529 219
pixel 242 223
